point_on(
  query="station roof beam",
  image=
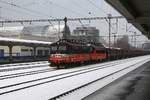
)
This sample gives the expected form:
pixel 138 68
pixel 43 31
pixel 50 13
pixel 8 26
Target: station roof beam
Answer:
pixel 22 42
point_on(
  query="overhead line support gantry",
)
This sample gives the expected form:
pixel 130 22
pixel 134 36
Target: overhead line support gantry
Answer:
pixel 53 20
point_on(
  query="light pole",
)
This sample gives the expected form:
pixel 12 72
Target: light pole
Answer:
pixel 89 19
pixel 59 29
pixel 109 22
pixel 135 39
pixel 114 39
pixel 0 13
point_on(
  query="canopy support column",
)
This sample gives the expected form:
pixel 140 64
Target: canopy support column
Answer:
pixel 34 52
pixel 10 53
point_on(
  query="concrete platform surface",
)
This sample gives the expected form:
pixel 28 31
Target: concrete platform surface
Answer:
pixel 133 86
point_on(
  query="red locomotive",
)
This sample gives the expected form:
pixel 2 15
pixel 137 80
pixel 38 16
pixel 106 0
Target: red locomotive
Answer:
pixel 69 52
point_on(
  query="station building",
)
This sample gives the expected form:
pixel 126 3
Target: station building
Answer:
pixel 42 33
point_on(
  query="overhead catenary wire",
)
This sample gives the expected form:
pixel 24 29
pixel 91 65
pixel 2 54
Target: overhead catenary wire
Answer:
pixel 102 10
pixel 18 11
pixel 29 10
pixel 62 7
pixel 87 11
pixel 81 23
pixel 80 6
pixel 66 8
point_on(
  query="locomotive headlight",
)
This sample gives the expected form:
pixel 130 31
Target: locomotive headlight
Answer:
pixel 88 44
pixel 59 55
pixel 63 55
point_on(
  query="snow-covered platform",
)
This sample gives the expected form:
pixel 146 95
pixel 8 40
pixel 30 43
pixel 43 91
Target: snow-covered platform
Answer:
pixel 133 86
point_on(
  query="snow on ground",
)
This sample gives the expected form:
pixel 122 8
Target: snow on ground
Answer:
pixel 26 68
pixel 26 63
pixel 83 92
pixel 51 89
pixel 43 75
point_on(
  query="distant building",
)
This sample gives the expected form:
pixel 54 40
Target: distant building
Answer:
pixel 86 33
pixel 41 33
pixel 12 32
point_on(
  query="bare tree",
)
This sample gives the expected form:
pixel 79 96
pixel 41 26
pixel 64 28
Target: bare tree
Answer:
pixel 123 42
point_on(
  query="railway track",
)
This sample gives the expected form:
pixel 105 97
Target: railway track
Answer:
pixel 22 67
pixel 92 86
pixel 21 64
pixel 4 89
pixel 7 76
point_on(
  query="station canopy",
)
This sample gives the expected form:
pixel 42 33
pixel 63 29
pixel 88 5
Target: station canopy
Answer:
pixel 22 42
pixel 136 12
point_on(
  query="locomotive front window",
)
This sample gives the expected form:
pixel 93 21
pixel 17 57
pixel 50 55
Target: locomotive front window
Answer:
pixel 62 48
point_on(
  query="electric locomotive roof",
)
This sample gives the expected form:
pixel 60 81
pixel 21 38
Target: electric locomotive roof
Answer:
pixel 77 43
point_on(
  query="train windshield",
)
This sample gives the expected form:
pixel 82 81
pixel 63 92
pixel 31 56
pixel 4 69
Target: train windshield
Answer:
pixel 62 48
pixel 58 49
pixel 53 48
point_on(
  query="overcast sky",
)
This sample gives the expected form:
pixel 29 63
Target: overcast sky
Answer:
pixel 55 8
pixel 38 9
